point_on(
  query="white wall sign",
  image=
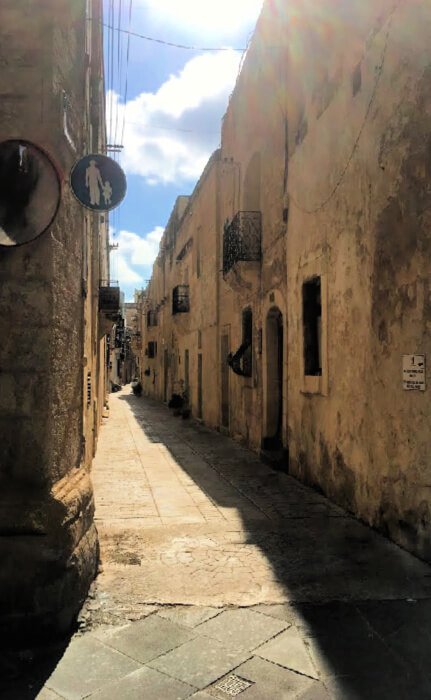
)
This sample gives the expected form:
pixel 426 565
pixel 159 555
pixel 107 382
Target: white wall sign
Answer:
pixel 414 372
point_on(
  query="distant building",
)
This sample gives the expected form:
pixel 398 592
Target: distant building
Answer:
pixel 290 298
pixel 53 321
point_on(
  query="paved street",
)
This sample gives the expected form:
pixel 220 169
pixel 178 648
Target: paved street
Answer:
pixel 221 577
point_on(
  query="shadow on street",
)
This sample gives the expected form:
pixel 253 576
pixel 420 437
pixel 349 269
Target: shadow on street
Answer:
pixel 362 603
pixel 24 671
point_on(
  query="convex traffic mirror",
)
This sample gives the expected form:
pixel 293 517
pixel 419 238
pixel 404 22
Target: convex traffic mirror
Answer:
pixel 30 192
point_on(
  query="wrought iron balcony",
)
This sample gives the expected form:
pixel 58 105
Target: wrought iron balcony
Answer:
pixel 180 299
pixel 109 301
pixel 242 239
pixel 109 307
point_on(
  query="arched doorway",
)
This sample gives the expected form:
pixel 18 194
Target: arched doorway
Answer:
pixel 274 380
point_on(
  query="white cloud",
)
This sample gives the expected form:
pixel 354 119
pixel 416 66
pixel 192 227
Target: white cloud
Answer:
pixel 134 251
pixel 124 272
pixel 171 133
pixel 140 250
pixel 221 16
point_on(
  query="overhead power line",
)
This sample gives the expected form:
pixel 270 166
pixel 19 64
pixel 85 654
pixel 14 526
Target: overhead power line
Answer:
pixel 172 128
pixel 119 69
pixel 169 43
pixel 127 70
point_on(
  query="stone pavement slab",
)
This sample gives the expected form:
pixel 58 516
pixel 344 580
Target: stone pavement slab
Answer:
pixel 317 692
pixel 46 694
pixel 282 611
pixel 242 628
pixel 211 551
pixel 188 615
pixel 145 684
pixel 146 639
pixel 289 650
pixel 199 662
pixel 380 686
pixel 87 666
pixel 198 484
pixel 269 682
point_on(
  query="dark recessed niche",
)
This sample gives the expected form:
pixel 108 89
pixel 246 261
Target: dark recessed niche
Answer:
pixel 302 131
pixel 357 79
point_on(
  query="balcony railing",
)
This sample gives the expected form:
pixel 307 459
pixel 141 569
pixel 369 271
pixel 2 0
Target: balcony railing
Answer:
pixel 109 301
pixel 180 299
pixel 242 239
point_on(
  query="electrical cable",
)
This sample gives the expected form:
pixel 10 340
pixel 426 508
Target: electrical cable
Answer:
pixel 127 72
pixel 111 68
pixel 119 68
pixel 173 128
pixel 176 46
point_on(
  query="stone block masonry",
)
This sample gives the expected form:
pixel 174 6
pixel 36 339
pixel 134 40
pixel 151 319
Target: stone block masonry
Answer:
pixel 48 542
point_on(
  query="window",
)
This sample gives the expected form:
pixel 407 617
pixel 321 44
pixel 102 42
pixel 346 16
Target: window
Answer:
pixel 180 299
pixel 312 325
pixel 151 318
pixel 89 389
pixel 152 349
pixel 198 254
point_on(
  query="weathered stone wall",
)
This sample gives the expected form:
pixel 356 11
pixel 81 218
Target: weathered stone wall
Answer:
pixel 189 256
pixel 327 133
pixel 359 185
pixel 253 179
pixel 199 232
pixel 48 543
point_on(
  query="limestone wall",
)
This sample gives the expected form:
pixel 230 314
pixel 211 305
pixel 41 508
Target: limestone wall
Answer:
pixel 327 134
pixel 189 256
pixel 48 323
pixel 359 184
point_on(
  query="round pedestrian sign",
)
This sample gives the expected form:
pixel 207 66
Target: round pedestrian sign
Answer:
pixel 98 182
pixel 30 192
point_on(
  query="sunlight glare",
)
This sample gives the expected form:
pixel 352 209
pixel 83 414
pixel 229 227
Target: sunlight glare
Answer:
pixel 220 17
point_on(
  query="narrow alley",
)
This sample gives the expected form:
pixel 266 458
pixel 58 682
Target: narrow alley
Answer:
pixel 215 334
pixel 221 577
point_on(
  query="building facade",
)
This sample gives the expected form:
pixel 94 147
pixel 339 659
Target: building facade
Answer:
pixel 291 294
pixel 52 324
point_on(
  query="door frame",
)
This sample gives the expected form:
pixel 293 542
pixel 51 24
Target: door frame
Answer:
pixel 274 300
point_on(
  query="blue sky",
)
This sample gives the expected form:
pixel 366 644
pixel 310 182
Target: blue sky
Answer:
pixel 175 101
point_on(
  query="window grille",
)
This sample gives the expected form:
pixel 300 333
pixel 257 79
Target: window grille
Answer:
pixel 180 299
pixel 242 239
pixel 88 389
